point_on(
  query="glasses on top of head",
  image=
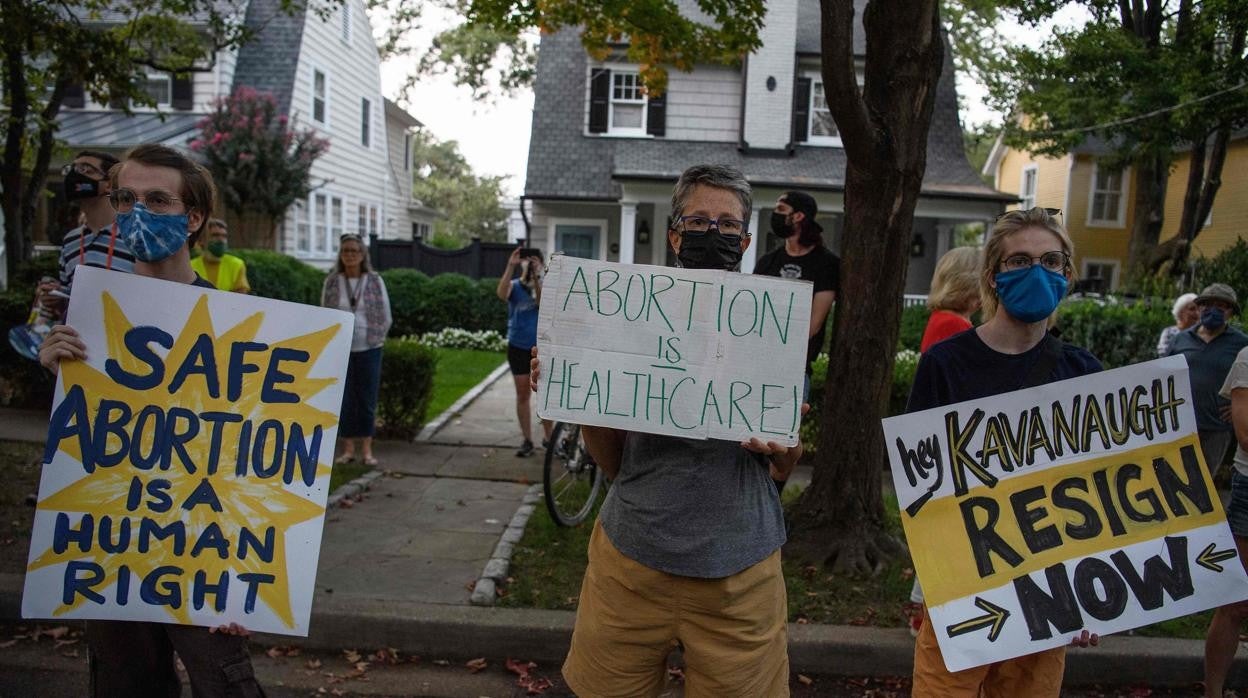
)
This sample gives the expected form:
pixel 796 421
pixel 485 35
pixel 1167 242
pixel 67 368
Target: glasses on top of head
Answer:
pixel 1053 261
pixel 702 224
pixel 85 169
pixel 1051 212
pixel 156 201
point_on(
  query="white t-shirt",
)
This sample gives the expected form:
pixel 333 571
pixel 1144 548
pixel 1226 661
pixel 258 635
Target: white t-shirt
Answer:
pixel 1238 378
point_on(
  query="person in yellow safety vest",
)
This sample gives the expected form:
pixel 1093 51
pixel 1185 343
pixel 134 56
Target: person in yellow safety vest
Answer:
pixel 225 271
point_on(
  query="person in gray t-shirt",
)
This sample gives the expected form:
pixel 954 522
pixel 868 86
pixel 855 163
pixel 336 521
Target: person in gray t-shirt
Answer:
pixel 687 546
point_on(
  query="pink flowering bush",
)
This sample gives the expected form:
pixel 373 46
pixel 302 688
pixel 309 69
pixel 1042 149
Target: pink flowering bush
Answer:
pixel 261 165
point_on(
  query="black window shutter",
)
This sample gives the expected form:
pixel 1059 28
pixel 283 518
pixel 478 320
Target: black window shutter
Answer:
pixel 183 92
pixel 75 96
pixel 599 99
pixel 801 110
pixel 656 116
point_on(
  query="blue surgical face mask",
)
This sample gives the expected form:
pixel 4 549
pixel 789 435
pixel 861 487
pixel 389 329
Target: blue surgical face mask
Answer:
pixel 1030 294
pixel 1213 318
pixel 152 237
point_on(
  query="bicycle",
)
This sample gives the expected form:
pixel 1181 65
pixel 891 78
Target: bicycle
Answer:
pixel 570 479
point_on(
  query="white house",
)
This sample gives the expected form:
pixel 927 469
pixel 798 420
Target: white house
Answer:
pixel 406 216
pixel 603 155
pixel 325 74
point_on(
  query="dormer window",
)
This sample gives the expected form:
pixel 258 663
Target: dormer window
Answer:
pixel 159 86
pixel 812 120
pixel 618 105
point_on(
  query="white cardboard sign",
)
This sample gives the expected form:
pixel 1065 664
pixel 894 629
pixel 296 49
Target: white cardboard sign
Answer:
pixel 683 352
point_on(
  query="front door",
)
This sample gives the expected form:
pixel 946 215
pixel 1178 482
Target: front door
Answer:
pixel 577 240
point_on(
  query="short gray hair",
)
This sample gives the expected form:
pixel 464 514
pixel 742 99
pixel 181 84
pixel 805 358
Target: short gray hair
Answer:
pixel 718 176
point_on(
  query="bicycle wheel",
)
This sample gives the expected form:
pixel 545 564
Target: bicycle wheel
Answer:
pixel 571 479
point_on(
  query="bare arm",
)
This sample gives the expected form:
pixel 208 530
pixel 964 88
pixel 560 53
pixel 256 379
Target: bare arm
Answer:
pixel 504 281
pixel 1239 416
pixel 820 305
pixel 606 445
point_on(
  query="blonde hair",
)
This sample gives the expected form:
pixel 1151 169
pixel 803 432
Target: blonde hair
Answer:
pixel 955 283
pixel 1008 224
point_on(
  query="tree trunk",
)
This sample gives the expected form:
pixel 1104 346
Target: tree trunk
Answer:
pixel 16 239
pixel 839 520
pixel 1149 204
pixel 252 230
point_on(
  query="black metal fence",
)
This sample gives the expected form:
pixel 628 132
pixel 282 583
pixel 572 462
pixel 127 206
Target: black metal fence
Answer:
pixel 479 260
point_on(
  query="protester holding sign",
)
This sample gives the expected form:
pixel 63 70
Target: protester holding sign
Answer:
pixel 1210 348
pixel 162 200
pixel 1024 275
pixel 687 545
pixel 1222 640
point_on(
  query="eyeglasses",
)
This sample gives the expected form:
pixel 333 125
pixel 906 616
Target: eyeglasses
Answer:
pixel 1051 212
pixel 702 224
pixel 157 201
pixel 1053 261
pixel 85 169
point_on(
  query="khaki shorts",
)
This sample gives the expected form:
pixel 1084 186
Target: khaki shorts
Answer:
pixel 1036 675
pixel 630 616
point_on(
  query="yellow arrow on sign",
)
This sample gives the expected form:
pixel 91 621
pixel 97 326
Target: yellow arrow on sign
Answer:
pixel 994 618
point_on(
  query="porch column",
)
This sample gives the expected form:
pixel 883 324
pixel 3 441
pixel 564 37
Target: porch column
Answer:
pixel 751 252
pixel 944 238
pixel 628 231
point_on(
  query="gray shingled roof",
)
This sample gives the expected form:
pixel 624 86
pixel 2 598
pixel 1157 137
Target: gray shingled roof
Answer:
pixel 113 129
pixel 268 62
pixel 566 164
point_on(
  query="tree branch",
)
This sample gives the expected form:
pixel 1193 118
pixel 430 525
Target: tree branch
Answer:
pixel 840 79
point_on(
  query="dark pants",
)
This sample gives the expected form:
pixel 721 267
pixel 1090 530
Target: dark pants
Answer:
pixel 359 395
pixel 133 659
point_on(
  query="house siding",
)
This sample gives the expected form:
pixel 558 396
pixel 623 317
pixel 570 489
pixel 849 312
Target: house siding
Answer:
pixel 399 190
pixel 1230 206
pixel 768 121
pixel 704 105
pixel 348 169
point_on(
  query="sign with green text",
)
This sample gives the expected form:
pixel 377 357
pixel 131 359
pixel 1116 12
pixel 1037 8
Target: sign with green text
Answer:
pixel 685 352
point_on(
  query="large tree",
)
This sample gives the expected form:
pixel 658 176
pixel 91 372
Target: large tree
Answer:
pixel 468 204
pixel 52 49
pixel 1148 79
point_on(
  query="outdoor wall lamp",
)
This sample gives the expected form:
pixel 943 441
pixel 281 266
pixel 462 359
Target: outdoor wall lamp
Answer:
pixel 643 232
pixel 917 246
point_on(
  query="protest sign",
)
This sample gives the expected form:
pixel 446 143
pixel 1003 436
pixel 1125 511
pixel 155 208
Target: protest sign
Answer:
pixel 684 352
pixel 187 462
pixel 1082 504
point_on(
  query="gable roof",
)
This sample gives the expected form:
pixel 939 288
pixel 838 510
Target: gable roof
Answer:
pixel 269 61
pixel 112 129
pixel 564 163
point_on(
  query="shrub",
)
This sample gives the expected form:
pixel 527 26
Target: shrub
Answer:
pixel 24 383
pixel 913 322
pixel 907 361
pixel 455 338
pixel 1230 266
pixel 275 275
pixel 406 288
pixel 407 370
pixel 1114 331
pixel 493 311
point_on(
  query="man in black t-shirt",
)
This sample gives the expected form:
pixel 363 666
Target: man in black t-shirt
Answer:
pixel 803 257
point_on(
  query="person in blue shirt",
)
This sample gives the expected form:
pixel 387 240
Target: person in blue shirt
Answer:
pixel 522 296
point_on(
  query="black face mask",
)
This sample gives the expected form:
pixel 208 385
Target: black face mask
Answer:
pixel 709 251
pixel 79 186
pixel 780 225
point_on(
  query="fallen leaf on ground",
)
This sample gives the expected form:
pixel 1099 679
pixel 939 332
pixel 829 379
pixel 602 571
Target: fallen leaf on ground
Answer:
pixel 338 692
pixel 61 643
pixel 361 666
pixel 58 632
pixel 475 665
pixel 520 668
pixel 275 652
pixel 351 656
pixel 346 503
pixel 7 644
pixel 314 664
pixel 804 680
pixel 441 662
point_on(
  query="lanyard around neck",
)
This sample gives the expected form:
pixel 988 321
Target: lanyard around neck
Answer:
pixel 112 243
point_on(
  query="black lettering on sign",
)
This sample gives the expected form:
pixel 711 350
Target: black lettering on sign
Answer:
pixel 920 463
pixel 1091 573
pixel 1174 579
pixel 1193 489
pixel 1038 539
pixel 983 539
pixel 1055 608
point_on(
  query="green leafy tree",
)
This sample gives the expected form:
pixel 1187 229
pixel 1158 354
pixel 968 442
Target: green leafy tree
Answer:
pixel 50 48
pixel 469 203
pixel 260 163
pixel 1148 78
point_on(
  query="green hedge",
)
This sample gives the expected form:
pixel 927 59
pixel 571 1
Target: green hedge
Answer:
pixel 407 369
pixel 913 322
pixel 23 383
pixel 1116 332
pixel 906 363
pixel 275 275
pixel 423 304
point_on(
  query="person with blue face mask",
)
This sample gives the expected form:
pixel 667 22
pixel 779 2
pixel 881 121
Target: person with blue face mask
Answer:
pixel 1210 349
pixel 162 199
pixel 1025 272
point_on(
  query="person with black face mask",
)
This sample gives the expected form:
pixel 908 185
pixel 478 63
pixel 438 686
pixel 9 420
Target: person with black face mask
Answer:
pixel 1210 348
pixel 95 243
pixel 803 256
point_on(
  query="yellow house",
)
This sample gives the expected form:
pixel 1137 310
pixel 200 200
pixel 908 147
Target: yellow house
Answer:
pixel 1096 202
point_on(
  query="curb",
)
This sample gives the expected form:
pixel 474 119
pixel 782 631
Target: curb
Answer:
pixel 460 405
pixel 485 592
pixel 464 632
pixel 351 489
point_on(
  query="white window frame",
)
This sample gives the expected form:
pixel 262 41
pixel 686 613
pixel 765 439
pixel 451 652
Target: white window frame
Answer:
pixel 1121 220
pixel 346 23
pixel 303 229
pixel 811 138
pixel 612 129
pixel 407 151
pixel 337 221
pixel 324 97
pixel 366 122
pixel 1115 264
pixel 1027 200
pixel 600 223
pixel 368 219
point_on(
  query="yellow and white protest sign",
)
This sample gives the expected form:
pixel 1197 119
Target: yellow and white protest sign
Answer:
pixel 188 457
pixel 1082 504
pixel 684 352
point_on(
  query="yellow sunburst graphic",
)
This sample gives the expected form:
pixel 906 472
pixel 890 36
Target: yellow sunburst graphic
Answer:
pixel 189 469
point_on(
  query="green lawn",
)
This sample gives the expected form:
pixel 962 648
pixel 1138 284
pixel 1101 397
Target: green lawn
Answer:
pixel 458 371
pixel 344 473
